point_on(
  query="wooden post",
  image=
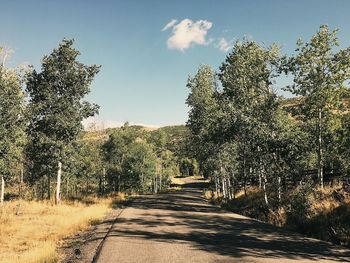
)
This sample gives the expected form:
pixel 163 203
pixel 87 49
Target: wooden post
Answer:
pixel 58 188
pixel 2 194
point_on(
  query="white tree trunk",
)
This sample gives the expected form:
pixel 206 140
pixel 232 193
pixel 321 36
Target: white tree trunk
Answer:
pixel 233 186
pixel 320 152
pixel 104 180
pixel 58 187
pixel 2 193
pixel 279 189
pixel 223 187
pixel 265 192
pixel 229 188
pixel 160 178
pixel 155 184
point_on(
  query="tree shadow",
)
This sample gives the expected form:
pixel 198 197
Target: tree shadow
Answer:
pixel 184 217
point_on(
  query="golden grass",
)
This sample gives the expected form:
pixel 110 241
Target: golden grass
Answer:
pixel 30 230
pixel 177 180
pixel 328 202
pixel 185 180
pixel 252 192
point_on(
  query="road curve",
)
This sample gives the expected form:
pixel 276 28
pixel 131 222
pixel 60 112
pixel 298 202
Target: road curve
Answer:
pixel 182 227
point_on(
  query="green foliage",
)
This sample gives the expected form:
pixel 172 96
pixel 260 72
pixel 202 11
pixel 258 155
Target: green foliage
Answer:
pixel 12 121
pixel 321 75
pixel 242 133
pixel 300 204
pixel 139 167
pixel 141 161
pixel 57 107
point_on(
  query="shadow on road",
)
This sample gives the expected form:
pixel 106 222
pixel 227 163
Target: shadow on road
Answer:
pixel 184 216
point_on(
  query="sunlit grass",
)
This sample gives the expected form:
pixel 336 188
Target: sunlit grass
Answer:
pixel 30 231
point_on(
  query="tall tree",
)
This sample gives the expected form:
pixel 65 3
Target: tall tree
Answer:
pixel 57 107
pixel 203 111
pixel 249 102
pixel 12 135
pixel 320 74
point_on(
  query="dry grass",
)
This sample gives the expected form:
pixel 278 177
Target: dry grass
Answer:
pixel 30 231
pixel 329 198
pixel 326 217
pixel 177 181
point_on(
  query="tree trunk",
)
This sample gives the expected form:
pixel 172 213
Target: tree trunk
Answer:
pixel 244 176
pixel 20 183
pixel 100 184
pixel 319 150
pixel 264 188
pixel 42 188
pixel 223 187
pixel 229 188
pixel 160 178
pixel 58 187
pixel 104 181
pixel 279 189
pixel 119 183
pixel 49 187
pixel 2 193
pixel 67 188
pixel 233 186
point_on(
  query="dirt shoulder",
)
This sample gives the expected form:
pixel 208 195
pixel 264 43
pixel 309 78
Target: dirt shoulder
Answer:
pixel 83 246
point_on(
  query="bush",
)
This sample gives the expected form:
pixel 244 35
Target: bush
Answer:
pixel 300 205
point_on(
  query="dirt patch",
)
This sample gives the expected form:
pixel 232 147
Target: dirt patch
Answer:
pixel 83 246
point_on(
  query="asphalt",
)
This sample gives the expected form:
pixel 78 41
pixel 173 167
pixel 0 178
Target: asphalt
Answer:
pixel 183 227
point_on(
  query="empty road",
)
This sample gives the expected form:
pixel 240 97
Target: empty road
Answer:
pixel 182 227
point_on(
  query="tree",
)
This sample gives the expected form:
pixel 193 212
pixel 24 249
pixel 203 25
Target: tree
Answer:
pixel 139 167
pixel 12 109
pixel 115 150
pixel 203 113
pixel 320 76
pixel 249 103
pixel 57 109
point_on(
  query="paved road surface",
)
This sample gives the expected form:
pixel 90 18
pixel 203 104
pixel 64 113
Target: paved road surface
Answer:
pixel 183 227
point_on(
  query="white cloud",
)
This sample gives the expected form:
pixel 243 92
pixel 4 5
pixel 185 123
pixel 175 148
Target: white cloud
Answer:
pixel 187 33
pixel 223 45
pixel 170 24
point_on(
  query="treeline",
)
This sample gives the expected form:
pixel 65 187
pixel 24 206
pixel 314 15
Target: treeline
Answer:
pixel 41 114
pixel 45 152
pixel 244 134
pixel 145 161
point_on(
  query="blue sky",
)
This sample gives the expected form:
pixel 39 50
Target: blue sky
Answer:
pixel 143 75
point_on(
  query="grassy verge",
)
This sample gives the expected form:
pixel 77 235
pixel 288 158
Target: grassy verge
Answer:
pixel 30 231
pixel 319 213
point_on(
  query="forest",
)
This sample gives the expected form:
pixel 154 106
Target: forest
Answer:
pixel 281 160
pixel 285 161
pixel 45 151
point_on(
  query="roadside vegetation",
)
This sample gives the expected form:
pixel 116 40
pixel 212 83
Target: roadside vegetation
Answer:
pixel 284 161
pixel 56 178
pixel 30 231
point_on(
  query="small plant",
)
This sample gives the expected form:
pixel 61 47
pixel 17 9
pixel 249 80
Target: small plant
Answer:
pixel 300 204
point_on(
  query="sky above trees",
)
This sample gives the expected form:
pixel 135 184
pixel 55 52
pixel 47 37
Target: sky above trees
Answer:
pixel 147 49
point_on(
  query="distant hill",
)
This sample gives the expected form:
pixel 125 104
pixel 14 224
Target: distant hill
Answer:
pixel 174 132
